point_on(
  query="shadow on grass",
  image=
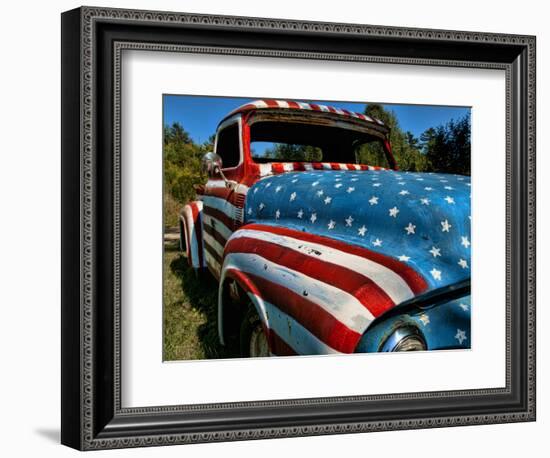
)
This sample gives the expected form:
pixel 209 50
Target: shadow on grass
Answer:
pixel 202 294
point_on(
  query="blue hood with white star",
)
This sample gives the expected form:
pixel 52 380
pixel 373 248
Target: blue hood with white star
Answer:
pixel 422 219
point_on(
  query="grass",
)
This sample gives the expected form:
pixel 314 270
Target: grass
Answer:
pixel 190 311
pixel 171 210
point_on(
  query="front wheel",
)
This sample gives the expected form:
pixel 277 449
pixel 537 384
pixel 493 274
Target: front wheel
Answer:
pixel 253 339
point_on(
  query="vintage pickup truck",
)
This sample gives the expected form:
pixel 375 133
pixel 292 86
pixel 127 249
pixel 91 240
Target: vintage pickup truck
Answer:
pixel 320 245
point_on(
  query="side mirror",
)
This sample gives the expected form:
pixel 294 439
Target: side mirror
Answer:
pixel 211 164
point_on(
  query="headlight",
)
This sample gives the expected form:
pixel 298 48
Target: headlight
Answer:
pixel 405 338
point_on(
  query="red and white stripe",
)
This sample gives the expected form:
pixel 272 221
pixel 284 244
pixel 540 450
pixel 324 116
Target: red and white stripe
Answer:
pixel 292 105
pixel 286 335
pixel 275 168
pixel 222 184
pixel 218 225
pixel 191 216
pixel 222 213
pixel 327 290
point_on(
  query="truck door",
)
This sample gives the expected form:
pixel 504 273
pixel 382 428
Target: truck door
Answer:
pixel 223 203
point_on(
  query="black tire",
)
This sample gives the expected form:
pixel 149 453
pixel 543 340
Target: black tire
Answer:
pixel 251 328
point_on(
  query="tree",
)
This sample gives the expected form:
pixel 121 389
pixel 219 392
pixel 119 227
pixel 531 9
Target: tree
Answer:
pixel 447 146
pixel 182 170
pixel 405 147
pixel 175 134
pixel 289 152
pixel 208 145
pixel 411 140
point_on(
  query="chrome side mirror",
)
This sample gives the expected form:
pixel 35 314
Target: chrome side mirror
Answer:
pixel 212 164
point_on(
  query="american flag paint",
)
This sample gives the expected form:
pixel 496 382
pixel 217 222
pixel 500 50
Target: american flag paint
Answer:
pixel 293 105
pixel 275 168
pixel 326 252
pixel 323 250
pixel 192 232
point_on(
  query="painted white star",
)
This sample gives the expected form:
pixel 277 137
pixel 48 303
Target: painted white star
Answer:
pixel 294 181
pixel 277 214
pixel 420 179
pixel 425 319
pixel 445 226
pixel 377 242
pixel 450 188
pixel 468 184
pixel 362 230
pixel 320 192
pixel 394 211
pixel 349 221
pixel 354 179
pixel 350 189
pixel 425 201
pixel 255 190
pixel 436 274
pixel 338 185
pixel 429 189
pixel 261 206
pixel 465 242
pixel 328 200
pixel 402 183
pixel 338 179
pixel 463 263
pixel 444 181
pixel 300 213
pixel 278 188
pixel 404 258
pixel 435 252
pixel 463 306
pixel 268 184
pixel 331 224
pixel 315 183
pixel 249 211
pixel 292 196
pixel 460 336
pixel 377 184
pixel 373 200
pixel 449 200
pixel 313 217
pixel 404 192
pixel 410 229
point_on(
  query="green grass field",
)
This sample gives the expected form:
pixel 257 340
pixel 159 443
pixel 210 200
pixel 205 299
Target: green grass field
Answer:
pixel 190 311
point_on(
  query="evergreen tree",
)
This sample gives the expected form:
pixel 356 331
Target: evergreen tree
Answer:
pixel 405 147
pixel 447 147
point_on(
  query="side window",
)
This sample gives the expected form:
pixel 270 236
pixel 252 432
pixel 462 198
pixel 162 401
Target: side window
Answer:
pixel 228 146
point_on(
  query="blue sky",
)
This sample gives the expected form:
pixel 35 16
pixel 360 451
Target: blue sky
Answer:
pixel 200 115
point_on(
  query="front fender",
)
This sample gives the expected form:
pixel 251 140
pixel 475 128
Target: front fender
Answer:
pixel 191 221
pixel 316 294
pixel 246 284
pixel 442 318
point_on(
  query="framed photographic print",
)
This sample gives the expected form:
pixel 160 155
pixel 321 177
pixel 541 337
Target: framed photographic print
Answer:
pixel 277 228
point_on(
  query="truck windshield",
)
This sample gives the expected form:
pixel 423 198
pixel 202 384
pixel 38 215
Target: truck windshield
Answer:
pixel 273 141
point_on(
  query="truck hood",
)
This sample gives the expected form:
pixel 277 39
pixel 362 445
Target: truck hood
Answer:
pixel 421 219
